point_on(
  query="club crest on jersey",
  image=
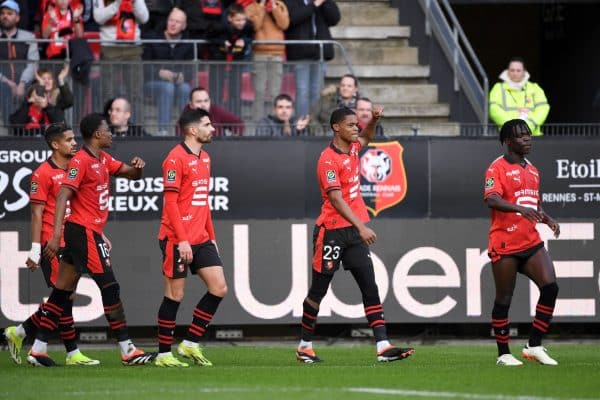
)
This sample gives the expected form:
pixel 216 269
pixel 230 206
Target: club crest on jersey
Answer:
pixel 331 176
pixel 171 175
pixel 34 187
pixel 383 178
pixel 73 173
pixel 489 183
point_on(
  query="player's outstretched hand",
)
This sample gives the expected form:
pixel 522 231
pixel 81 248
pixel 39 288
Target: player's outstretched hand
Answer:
pixel 107 241
pixel 367 235
pixel 185 252
pixel 32 265
pixel 531 214
pixel 138 163
pixel 377 112
pixel 552 224
pixel 51 248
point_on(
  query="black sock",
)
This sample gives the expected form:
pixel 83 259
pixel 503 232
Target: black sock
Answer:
pixel 32 324
pixel 203 314
pixel 65 326
pixel 51 312
pixel 374 313
pixel 167 314
pixel 501 327
pixel 309 320
pixel 543 314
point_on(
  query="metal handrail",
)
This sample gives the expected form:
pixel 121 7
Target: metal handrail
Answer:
pixel 321 43
pixel 441 20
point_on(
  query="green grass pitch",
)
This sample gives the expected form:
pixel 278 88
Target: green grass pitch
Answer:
pixel 349 372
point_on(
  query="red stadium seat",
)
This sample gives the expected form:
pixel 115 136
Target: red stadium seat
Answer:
pixel 288 85
pixel 203 79
pixel 95 46
pixel 247 87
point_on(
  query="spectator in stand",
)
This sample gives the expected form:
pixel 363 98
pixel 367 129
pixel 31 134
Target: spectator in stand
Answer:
pixel 57 91
pixel 310 20
pixel 14 76
pixel 364 112
pixel 517 97
pixel 120 22
pixel 35 114
pixel 270 19
pixel 205 19
pixel 225 123
pixel 282 122
pixel 61 23
pixel 333 98
pixel 169 81
pixel 118 112
pixel 159 11
pixel 232 46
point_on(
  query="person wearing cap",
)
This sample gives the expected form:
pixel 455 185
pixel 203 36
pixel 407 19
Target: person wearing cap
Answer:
pixel 21 58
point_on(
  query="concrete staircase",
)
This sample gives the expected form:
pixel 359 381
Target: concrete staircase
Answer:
pixel 388 69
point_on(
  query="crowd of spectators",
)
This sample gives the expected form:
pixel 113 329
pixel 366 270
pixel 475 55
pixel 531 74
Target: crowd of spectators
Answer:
pixel 34 80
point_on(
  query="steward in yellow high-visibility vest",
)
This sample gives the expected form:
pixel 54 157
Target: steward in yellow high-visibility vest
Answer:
pixel 517 97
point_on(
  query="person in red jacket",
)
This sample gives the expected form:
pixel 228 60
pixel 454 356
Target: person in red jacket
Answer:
pixel 61 22
pixel 225 123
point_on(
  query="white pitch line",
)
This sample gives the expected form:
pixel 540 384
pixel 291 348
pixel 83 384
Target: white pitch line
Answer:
pixel 452 395
pixel 259 389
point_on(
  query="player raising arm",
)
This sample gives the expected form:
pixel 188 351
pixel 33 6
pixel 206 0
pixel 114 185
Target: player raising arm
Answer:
pixel 341 236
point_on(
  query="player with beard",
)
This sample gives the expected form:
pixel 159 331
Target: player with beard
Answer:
pixel 187 240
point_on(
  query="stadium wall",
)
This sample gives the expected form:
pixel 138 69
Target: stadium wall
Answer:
pixel 425 195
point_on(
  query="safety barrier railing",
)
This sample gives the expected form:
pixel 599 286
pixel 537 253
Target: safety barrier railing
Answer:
pixel 231 85
pixel 468 72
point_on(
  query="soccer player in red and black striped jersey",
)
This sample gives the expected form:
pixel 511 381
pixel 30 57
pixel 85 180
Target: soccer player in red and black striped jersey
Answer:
pixel 512 192
pixel 45 183
pixel 86 248
pixel 187 240
pixel 341 236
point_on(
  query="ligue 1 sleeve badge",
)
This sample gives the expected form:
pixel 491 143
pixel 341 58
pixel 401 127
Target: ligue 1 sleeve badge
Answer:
pixel 72 174
pixel 383 177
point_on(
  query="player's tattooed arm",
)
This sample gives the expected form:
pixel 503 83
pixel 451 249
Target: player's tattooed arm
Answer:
pixel 33 259
pixel 338 202
pixel 133 171
pixel 64 195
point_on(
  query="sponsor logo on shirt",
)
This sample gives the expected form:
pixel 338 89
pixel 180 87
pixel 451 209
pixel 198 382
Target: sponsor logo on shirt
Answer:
pixel 171 175
pixel 489 183
pixel 331 177
pixel 34 187
pixel 73 174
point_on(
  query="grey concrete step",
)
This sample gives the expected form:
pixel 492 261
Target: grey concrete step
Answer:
pixel 380 71
pixel 371 13
pixel 410 110
pixel 421 128
pixel 369 32
pixel 370 55
pixel 419 93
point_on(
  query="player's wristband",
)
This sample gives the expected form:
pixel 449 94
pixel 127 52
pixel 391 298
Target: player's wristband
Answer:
pixel 35 252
